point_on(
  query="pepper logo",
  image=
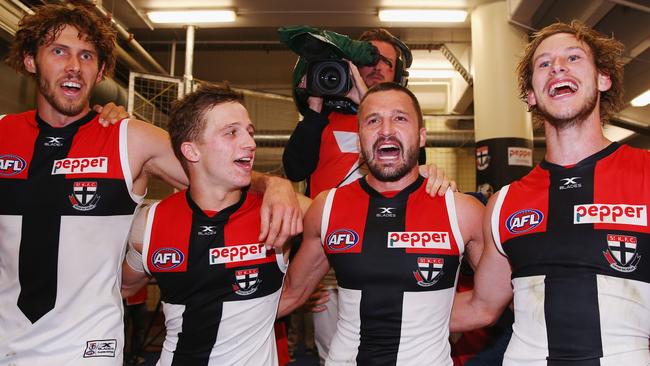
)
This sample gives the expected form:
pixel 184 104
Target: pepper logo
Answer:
pixel 80 165
pixel 524 220
pixel 237 253
pixel 419 239
pixel 342 239
pixel 165 259
pixel 11 165
pixel 610 214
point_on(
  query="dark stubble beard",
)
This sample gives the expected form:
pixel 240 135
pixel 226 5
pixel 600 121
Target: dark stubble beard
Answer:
pixel 393 174
pixel 577 118
pixel 68 109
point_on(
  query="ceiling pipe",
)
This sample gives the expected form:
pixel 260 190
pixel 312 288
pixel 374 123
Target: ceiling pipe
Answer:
pixel 632 5
pixel 630 124
pixel 137 12
pixel 130 40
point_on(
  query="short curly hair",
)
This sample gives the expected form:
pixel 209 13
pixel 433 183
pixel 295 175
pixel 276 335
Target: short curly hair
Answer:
pixel 607 55
pixel 45 25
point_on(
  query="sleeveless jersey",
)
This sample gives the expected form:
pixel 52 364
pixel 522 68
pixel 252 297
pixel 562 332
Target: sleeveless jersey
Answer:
pixel 579 244
pixel 65 215
pixel 338 159
pixel 219 287
pixel 396 261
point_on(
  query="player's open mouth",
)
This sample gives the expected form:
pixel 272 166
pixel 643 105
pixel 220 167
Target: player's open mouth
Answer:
pixel 245 162
pixel 562 88
pixel 388 150
pixel 71 87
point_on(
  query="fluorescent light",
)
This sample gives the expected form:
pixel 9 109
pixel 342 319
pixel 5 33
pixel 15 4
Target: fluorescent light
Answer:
pixel 642 100
pixel 422 15
pixel 192 16
pixel 431 73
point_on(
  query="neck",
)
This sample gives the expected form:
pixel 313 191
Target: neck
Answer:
pixel 212 198
pixel 568 146
pixel 55 118
pixel 398 185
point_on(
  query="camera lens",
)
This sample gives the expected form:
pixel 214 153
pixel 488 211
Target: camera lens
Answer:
pixel 330 77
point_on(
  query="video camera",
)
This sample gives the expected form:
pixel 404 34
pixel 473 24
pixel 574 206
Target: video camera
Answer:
pixel 321 61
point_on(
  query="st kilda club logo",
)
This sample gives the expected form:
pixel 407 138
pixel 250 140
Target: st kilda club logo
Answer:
pixel 84 196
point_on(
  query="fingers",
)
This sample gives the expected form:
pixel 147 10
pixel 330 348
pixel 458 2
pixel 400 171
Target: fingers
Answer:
pixel 298 222
pixel 98 108
pixel 274 237
pixel 111 113
pixel 289 225
pixel 436 179
pixel 429 187
pixel 438 182
pixel 317 300
pixel 280 213
pixel 318 309
pixel 441 183
pixel 265 219
pixel 286 227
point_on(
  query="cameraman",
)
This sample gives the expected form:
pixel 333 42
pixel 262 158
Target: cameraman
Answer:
pixel 323 147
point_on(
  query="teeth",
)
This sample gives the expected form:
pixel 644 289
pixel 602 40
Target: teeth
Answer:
pixel 570 84
pixel 387 146
pixel 246 160
pixel 71 84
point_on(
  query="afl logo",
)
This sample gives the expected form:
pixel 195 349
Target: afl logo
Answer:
pixel 342 239
pixel 165 259
pixel 524 220
pixel 11 165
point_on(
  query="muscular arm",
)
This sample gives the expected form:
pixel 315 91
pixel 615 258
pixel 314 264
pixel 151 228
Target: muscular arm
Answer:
pixel 151 154
pixel 134 279
pixel 300 156
pixel 492 290
pixel 309 265
pixel 470 217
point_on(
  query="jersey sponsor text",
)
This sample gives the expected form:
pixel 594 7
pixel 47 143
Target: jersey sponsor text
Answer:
pixel 419 239
pixel 610 214
pixel 80 165
pixel 237 253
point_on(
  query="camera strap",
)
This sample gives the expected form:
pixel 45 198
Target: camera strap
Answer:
pixel 361 163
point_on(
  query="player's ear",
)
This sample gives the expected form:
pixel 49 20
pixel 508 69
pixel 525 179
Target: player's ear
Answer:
pixel 30 63
pixel 190 152
pixel 604 82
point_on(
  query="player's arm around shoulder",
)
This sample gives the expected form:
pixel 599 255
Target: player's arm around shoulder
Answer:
pixel 281 214
pixel 310 263
pixel 133 273
pixel 304 203
pixel 151 154
pixel 492 289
